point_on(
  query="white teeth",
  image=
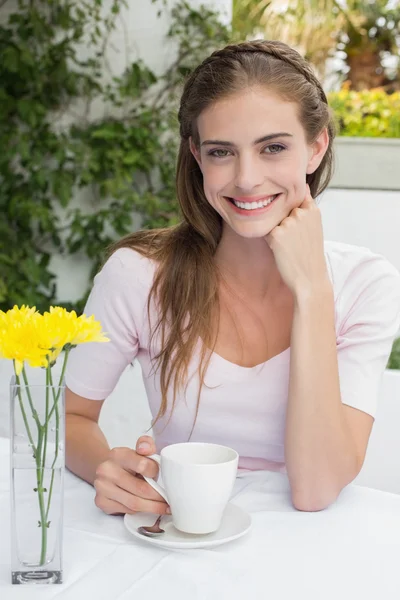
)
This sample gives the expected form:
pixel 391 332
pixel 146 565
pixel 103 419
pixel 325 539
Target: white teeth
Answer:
pixel 254 205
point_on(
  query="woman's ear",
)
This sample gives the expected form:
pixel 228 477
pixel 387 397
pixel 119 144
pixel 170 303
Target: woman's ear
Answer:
pixel 317 151
pixel 195 151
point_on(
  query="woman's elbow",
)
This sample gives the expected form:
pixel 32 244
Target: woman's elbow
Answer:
pixel 312 503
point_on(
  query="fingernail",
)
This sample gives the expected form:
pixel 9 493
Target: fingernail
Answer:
pixel 168 511
pixel 144 446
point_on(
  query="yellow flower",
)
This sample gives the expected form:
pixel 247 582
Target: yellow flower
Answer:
pixel 26 335
pixel 62 328
pixel 59 327
pixel 20 315
pixel 88 330
pixel 19 334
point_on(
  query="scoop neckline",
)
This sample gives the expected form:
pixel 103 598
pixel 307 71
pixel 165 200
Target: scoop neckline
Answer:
pixel 233 365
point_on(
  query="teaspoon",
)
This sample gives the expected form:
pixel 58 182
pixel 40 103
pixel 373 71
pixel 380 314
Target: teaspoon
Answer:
pixel 153 530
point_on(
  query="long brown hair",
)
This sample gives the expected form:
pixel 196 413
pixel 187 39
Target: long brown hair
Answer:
pixel 186 283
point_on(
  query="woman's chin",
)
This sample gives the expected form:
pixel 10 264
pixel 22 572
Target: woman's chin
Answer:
pixel 252 231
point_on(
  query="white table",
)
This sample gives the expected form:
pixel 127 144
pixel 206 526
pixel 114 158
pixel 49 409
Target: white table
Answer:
pixel 349 551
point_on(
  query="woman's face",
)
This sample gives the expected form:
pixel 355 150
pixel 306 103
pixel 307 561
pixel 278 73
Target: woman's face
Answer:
pixel 254 158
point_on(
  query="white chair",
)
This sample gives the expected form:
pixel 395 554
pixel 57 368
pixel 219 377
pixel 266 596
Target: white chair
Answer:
pixel 125 414
pixel 381 469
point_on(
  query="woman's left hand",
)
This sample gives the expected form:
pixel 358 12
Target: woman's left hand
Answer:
pixel 298 247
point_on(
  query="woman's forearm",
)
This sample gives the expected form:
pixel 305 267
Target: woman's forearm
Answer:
pixel 319 450
pixel 86 446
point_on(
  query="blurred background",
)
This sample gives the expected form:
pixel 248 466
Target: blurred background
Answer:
pixel 88 130
pixel 88 133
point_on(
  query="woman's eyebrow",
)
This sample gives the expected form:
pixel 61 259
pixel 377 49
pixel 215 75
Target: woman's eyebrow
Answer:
pixel 265 138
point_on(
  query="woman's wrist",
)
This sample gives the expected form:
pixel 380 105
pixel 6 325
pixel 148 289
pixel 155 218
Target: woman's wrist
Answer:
pixel 312 294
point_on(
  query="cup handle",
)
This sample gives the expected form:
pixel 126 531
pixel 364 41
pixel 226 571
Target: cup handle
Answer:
pixel 152 482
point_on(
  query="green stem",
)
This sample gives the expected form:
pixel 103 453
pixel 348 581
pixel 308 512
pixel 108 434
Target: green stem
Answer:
pixel 39 470
pixel 40 493
pixel 28 393
pixel 60 382
pixel 46 420
pixel 21 404
pixel 52 466
pixel 55 407
pixel 55 399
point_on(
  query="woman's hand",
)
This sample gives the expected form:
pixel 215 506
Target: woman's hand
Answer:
pixel 298 247
pixel 120 487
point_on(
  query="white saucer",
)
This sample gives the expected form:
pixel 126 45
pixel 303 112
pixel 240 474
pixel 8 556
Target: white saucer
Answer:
pixel 235 523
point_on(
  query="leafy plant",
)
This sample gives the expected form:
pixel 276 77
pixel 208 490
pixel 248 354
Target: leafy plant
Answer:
pixel 394 359
pixel 53 157
pixel 368 113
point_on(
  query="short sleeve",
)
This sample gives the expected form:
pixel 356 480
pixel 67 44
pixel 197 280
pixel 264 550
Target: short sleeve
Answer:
pixel 116 300
pixel 369 310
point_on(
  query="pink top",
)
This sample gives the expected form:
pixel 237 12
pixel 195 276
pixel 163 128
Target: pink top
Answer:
pixel 241 407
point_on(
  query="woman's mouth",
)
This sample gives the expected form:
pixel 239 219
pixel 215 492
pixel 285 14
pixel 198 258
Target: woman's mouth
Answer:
pixel 252 206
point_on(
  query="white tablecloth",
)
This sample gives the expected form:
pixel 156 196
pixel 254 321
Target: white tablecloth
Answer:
pixel 349 551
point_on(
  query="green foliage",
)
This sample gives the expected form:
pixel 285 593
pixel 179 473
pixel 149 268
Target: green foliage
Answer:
pixel 124 161
pixel 365 32
pixel 368 113
pixel 394 359
pixel 121 163
pixel 373 25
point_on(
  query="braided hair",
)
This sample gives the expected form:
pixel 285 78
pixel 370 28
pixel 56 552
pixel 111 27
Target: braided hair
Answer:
pixel 261 62
pixel 227 56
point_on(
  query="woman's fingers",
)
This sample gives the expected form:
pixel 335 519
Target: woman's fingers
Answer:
pixel 146 445
pixel 110 507
pixel 132 462
pixel 120 487
pixel 108 493
pixel 134 485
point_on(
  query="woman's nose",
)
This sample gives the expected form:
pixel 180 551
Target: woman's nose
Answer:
pixel 249 174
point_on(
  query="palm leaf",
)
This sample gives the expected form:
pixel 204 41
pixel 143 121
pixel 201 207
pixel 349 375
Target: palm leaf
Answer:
pixel 313 27
pixel 307 25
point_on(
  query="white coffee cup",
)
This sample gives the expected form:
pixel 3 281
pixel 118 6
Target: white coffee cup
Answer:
pixel 198 481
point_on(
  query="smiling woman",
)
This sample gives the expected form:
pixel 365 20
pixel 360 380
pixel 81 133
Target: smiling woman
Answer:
pixel 252 331
pixel 255 204
pixel 246 175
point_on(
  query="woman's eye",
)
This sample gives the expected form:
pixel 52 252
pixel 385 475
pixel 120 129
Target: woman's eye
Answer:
pixel 223 153
pixel 219 153
pixel 274 149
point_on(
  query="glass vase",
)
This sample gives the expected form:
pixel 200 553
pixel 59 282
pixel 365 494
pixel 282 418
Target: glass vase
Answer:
pixel 37 440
